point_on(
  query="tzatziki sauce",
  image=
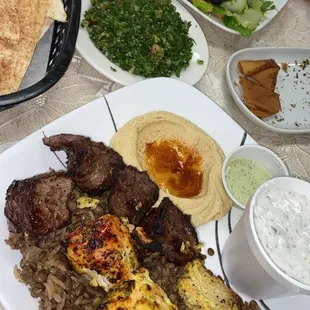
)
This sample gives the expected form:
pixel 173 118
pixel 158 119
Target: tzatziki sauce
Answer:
pixel 282 222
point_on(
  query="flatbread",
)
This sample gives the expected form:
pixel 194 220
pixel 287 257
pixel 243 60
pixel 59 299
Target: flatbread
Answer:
pixel 47 24
pixel 15 58
pixel 9 23
pixel 56 11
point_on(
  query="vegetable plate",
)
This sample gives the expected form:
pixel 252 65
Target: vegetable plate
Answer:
pixel 242 17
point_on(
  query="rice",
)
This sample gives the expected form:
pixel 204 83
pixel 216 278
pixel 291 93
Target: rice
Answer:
pixel 45 269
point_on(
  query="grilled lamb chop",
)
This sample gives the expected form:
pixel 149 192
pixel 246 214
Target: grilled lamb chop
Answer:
pixel 168 230
pixel 38 205
pixel 90 164
pixel 133 194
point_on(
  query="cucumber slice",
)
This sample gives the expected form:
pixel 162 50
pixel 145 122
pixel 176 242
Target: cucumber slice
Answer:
pixel 255 4
pixel 235 6
pixel 250 18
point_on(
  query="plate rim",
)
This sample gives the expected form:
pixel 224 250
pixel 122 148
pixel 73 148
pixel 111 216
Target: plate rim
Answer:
pixel 137 78
pixel 252 117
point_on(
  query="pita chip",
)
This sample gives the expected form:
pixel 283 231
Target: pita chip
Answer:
pixel 251 67
pixel 259 100
pixel 267 78
pixel 9 25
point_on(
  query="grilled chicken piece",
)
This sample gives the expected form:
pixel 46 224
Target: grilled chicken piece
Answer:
pixel 169 230
pixel 200 289
pixel 89 163
pixel 38 205
pixel 133 194
pixel 104 250
pixel 139 293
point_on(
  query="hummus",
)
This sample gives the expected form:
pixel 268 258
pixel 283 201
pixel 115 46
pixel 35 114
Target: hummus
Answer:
pixel 134 138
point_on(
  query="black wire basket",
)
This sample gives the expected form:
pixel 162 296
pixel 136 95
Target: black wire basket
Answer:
pixel 61 52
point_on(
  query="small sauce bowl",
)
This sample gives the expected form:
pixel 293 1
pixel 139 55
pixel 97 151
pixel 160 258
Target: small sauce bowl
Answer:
pixel 263 156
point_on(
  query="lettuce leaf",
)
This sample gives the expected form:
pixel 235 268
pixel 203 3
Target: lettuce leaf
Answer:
pixel 233 23
pixel 246 22
pixel 203 6
pixel 267 6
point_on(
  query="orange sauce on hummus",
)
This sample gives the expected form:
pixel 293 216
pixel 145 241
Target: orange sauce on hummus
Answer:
pixel 175 167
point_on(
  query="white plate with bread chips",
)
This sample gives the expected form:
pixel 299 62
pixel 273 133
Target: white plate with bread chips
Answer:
pixel 23 24
pixel 271 86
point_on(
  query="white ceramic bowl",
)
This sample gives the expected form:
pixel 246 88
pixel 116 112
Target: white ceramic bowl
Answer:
pixel 266 158
pixel 191 75
pixel 217 22
pixel 247 265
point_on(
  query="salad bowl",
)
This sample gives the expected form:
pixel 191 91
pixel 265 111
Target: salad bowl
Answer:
pixel 242 17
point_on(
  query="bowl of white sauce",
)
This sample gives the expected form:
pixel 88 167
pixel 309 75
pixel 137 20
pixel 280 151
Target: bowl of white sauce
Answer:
pixel 246 168
pixel 268 253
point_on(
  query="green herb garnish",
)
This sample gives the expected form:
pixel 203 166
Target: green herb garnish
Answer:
pixel 113 69
pixel 144 37
pixel 200 62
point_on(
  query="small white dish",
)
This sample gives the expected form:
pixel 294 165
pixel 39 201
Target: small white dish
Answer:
pixel 217 22
pixel 293 87
pixel 266 158
pixel 103 65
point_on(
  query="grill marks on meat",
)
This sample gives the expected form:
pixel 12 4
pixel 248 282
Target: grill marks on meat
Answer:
pixel 90 164
pixel 169 230
pixel 133 194
pixel 104 250
pixel 38 205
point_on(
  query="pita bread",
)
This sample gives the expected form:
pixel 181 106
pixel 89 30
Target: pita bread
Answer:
pixel 9 28
pixel 15 58
pixel 56 11
pixel 47 24
pixel 250 67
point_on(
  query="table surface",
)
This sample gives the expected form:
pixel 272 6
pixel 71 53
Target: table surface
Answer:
pixel 82 84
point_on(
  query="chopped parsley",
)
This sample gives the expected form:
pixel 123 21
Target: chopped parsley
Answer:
pixel 144 37
pixel 200 62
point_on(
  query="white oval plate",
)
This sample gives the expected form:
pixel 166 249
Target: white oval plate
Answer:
pixel 217 22
pixel 102 64
pixel 293 87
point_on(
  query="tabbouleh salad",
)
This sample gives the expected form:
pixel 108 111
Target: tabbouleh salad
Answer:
pixel 144 37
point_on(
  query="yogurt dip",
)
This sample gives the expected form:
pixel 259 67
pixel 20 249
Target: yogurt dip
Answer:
pixel 244 176
pixel 282 222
